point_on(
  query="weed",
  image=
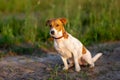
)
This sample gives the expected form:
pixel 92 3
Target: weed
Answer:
pixel 54 73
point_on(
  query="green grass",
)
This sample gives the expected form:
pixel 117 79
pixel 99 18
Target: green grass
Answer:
pixel 91 21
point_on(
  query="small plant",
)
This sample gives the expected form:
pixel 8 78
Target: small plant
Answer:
pixel 7 37
pixel 30 29
pixel 2 54
pixel 54 73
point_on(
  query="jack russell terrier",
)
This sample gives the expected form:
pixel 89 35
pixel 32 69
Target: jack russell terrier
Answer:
pixel 69 48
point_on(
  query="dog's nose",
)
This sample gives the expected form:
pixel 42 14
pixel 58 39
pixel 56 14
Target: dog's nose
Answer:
pixel 52 32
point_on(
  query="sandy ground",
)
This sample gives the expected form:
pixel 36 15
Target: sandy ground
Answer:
pixel 50 66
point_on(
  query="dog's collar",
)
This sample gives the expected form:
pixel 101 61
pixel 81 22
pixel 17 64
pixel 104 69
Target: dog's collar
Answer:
pixel 58 37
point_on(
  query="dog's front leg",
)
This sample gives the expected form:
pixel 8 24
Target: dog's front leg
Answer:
pixel 65 63
pixel 77 66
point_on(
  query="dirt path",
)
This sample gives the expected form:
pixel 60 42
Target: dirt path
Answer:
pixel 50 66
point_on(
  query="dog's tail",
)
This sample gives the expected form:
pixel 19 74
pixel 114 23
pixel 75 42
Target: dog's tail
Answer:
pixel 97 56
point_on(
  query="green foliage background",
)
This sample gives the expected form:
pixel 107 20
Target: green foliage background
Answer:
pixel 91 21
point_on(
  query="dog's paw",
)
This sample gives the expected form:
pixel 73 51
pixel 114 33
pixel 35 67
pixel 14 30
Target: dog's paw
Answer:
pixel 65 68
pixel 78 69
pixel 92 66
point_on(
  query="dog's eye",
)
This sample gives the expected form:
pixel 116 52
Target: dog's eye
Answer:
pixel 57 25
pixel 50 25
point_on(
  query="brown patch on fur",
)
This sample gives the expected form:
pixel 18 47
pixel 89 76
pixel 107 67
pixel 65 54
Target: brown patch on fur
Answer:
pixel 63 20
pixel 65 35
pixel 83 50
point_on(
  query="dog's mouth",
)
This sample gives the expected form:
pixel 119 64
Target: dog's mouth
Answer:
pixel 56 35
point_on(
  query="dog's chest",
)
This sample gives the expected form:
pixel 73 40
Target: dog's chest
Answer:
pixel 63 48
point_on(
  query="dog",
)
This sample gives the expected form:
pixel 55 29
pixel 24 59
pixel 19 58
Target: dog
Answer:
pixel 70 49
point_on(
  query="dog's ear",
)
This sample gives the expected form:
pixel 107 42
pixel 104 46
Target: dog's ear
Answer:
pixel 48 22
pixel 63 20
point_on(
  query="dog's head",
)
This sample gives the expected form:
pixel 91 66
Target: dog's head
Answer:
pixel 57 27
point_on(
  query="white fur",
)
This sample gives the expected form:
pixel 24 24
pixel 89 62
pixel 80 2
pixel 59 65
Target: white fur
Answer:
pixel 72 48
